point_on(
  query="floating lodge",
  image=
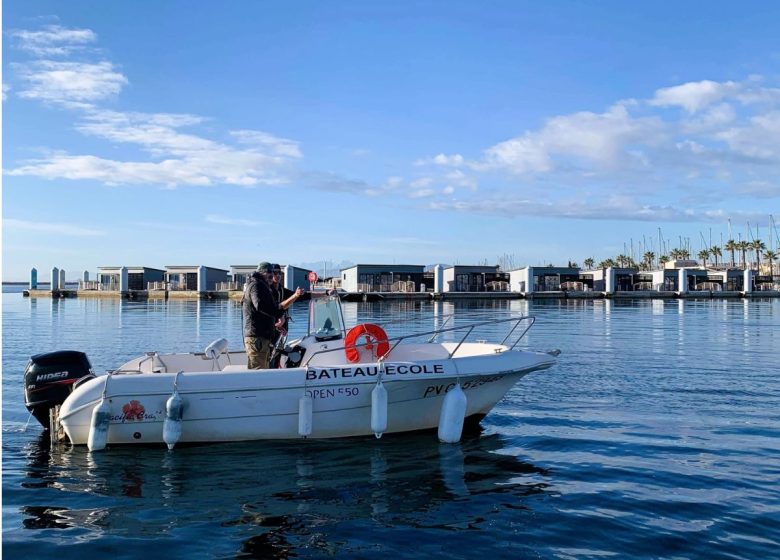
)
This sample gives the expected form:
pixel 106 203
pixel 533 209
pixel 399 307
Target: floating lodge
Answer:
pixel 384 281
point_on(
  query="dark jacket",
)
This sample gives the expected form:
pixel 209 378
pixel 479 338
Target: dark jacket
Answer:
pixel 259 308
pixel 280 294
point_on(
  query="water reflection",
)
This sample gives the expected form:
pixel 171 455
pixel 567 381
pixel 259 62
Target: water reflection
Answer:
pixel 277 494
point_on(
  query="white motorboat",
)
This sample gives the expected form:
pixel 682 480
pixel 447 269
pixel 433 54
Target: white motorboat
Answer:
pixel 331 383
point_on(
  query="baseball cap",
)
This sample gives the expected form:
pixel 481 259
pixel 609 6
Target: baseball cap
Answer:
pixel 265 267
pixel 276 267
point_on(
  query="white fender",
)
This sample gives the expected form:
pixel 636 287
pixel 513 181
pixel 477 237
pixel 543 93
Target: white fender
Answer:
pixel 379 409
pixel 172 423
pixel 98 428
pixel 453 412
pixel 305 412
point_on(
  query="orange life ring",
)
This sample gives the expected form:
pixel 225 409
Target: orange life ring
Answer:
pixel 374 334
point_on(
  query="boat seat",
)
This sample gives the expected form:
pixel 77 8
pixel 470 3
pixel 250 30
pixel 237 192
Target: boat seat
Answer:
pixel 235 367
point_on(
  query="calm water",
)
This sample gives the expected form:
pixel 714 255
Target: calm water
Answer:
pixel 656 435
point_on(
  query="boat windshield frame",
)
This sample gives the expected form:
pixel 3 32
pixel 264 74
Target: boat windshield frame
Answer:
pixel 326 318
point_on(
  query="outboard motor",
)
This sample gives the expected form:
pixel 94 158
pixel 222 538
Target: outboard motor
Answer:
pixel 49 379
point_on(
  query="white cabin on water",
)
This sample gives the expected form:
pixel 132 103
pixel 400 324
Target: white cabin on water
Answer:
pixel 194 278
pixel 110 278
pixel 382 277
pixel 292 276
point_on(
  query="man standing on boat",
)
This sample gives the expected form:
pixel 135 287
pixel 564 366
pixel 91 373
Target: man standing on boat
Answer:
pixel 262 316
pixel 283 296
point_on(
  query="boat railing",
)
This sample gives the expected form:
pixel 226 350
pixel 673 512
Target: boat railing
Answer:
pixel 99 286
pixel 434 333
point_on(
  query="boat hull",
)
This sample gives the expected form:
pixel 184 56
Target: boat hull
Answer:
pixel 253 405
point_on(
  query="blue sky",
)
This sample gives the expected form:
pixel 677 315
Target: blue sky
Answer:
pixel 176 133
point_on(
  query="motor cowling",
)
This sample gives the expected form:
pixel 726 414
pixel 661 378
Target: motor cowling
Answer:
pixel 49 379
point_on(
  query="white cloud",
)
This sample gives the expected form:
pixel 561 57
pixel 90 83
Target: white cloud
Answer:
pixel 694 96
pixel 187 159
pixel 53 40
pixel 76 84
pixel 712 119
pixel 393 182
pixel 460 179
pixel 521 155
pixel 760 189
pixel 618 164
pixel 6 89
pixel 228 221
pixel 691 146
pixel 609 208
pixel 588 164
pixel 278 146
pixel 759 138
pixel 110 172
pixel 422 182
pixel 455 160
pixel 178 157
pixel 209 168
pixel 763 95
pixel 422 193
pixel 156 133
pixel 451 161
pixel 591 139
pixel 49 227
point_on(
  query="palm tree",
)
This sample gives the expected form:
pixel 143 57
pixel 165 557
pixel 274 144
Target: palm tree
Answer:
pixel 621 260
pixel 648 258
pixel 704 255
pixel 715 252
pixel 589 263
pixel 742 247
pixel 607 263
pixel 757 245
pixel 731 245
pixel 770 257
pixel 662 260
pixel 685 254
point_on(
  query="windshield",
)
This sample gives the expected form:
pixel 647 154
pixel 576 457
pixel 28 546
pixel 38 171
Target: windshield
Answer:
pixel 325 319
